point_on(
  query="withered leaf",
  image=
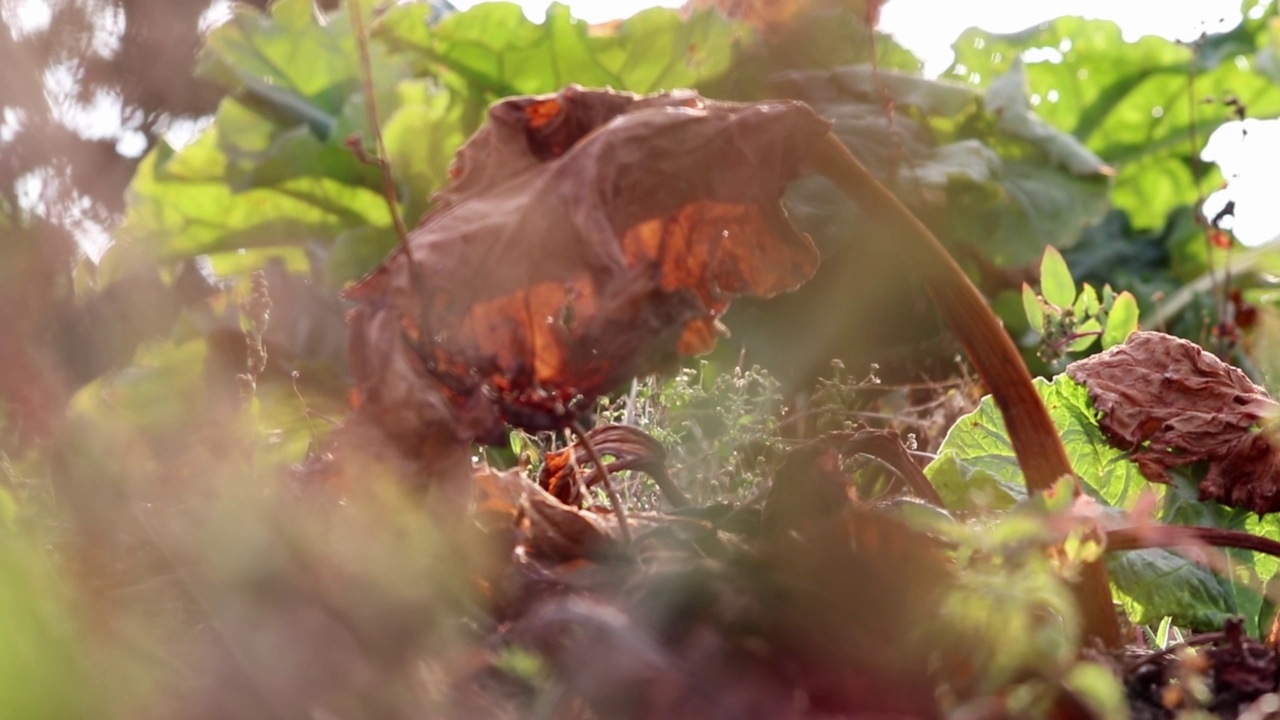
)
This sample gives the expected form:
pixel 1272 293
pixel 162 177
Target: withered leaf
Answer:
pixel 547 528
pixel 587 237
pixel 1172 403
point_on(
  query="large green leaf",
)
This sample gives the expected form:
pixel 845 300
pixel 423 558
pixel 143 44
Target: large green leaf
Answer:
pixel 181 205
pixel 421 138
pixel 1156 583
pixel 980 440
pixel 1007 99
pixel 275 169
pixel 1053 207
pixel 1001 193
pixel 285 58
pixel 500 52
pixel 1133 104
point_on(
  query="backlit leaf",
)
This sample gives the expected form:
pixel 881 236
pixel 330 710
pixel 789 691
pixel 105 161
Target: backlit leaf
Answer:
pixel 1122 320
pixel 1031 306
pixel 1056 283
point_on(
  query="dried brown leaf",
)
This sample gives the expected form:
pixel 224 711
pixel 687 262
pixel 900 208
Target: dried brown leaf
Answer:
pixel 547 528
pixel 1172 403
pixel 588 237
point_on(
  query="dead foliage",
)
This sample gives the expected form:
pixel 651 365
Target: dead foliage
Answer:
pixel 1171 403
pixel 1233 676
pixel 587 237
pixel 813 616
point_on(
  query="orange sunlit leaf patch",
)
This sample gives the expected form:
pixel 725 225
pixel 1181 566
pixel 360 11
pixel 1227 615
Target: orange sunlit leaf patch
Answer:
pixel 587 238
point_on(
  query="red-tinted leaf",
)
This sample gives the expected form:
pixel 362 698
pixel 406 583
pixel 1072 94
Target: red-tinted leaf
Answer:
pixel 588 237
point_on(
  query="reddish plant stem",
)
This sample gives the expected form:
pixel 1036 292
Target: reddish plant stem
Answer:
pixel 371 111
pixel 602 472
pixel 999 364
pixel 1150 536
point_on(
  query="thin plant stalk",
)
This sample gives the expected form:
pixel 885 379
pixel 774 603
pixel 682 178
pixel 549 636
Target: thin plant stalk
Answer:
pixel 1035 440
pixel 371 110
pixel 618 508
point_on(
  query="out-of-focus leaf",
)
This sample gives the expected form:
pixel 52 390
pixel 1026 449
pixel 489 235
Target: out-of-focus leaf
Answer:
pixel 1054 207
pixel 1267 60
pixel 285 59
pixel 8 505
pixel 500 52
pixel 180 205
pixel 1031 307
pixel 1131 103
pixel 1056 283
pixel 298 153
pixel 42 669
pixel 1098 685
pixel 1007 100
pixel 421 137
pixel 995 200
pixel 772 17
pixel 357 251
pixel 1122 320
pixel 274 170
pixel 838 85
pixel 1154 582
pixel 968 160
pixel 660 49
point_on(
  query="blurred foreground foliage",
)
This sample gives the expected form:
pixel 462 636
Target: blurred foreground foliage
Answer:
pixel 161 559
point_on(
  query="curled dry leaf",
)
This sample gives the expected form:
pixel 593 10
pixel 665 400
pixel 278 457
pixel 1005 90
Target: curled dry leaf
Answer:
pixel 587 237
pixel 547 528
pixel 1172 403
pixel 632 448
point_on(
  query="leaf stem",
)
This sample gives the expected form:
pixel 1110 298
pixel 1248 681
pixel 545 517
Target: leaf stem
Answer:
pixel 1061 345
pixel 603 473
pixel 999 364
pixel 371 110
